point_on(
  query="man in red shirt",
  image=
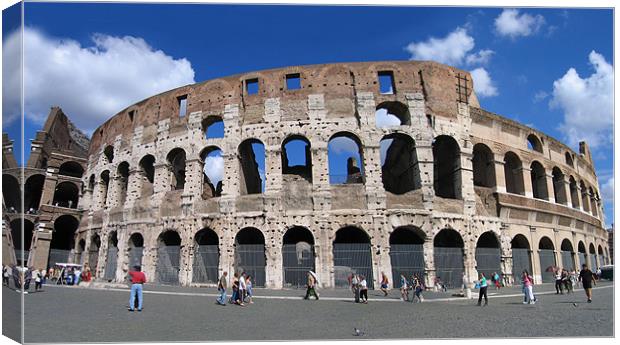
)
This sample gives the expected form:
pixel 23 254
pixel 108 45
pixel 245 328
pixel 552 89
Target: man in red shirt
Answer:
pixel 137 279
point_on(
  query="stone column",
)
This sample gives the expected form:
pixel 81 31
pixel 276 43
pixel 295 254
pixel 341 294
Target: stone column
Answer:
pixel 114 187
pixel 585 201
pixel 424 150
pixel 134 187
pixel 42 238
pixel 380 246
pixel 161 181
pixel 467 185
pixel 230 181
pixel 323 249
pixel 49 186
pixel 320 177
pixel 536 269
pixel 122 262
pixel 184 262
pixel 429 262
pixel 527 182
pixel 569 199
pixel 500 174
pixel 273 269
pixel 191 253
pixel 193 181
pixel 372 170
pixel 227 252
pixel 550 188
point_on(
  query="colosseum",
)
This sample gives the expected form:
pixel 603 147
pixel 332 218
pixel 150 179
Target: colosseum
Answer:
pixel 352 167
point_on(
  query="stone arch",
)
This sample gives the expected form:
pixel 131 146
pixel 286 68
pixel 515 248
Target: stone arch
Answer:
pixel 21 247
pixel 559 186
pixel 11 191
pixel 79 251
pixel 574 192
pixel 105 185
pixel 71 168
pixel 251 161
pixel 513 171
pixel 521 258
pixel 212 172
pixel 407 252
pixel 483 163
pixel 33 190
pixel 345 159
pixel 63 239
pixel 539 181
pixel 250 254
pixel 547 259
pixel 298 255
pixel 400 170
pixel 66 195
pixel 122 173
pixel 168 257
pixel 108 152
pixel 176 159
pixel 352 255
pixel 567 253
pixel 206 256
pixel 392 113
pixel 488 254
pixel 213 127
pixel 147 174
pixel 448 252
pixel 292 146
pixel 447 167
pixel 568 159
pixel 534 143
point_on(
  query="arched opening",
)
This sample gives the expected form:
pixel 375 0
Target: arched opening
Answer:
pixel 448 256
pixel 568 254
pixel 93 253
pixel 592 257
pixel 574 193
pixel 593 202
pixel 400 171
pixel 488 254
pixel 446 167
pixel 213 127
pixel 168 257
pixel 63 239
pixel 297 256
pixel 21 247
pixel 176 159
pixel 135 250
pixel 79 252
pixel 601 256
pixel 109 153
pixel 206 257
pixel 105 184
pixel 539 181
pixel 392 114
pixel 123 182
pixel 252 163
pixel 345 159
pixel 521 259
pixel 584 197
pixel 547 259
pixel 11 192
pixel 407 252
pixel 533 143
pixel 583 257
pixel 66 195
pixel 111 257
pixel 212 172
pixel 484 166
pixel 147 174
pixel 33 189
pixel 513 171
pixel 607 257
pixel 91 182
pixel 71 168
pixel 352 255
pixel 559 186
pixel 569 159
pixel 250 254
pixel 296 157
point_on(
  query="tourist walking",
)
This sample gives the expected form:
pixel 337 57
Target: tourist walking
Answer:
pixel 236 298
pixel 248 289
pixel 384 284
pixel 496 280
pixel 416 283
pixel 37 280
pixel 363 289
pixel 137 278
pixel 221 288
pixel 17 277
pixel 27 279
pixel 355 287
pixel 242 287
pixel 311 286
pixel 404 288
pixel 558 281
pixel 483 290
pixel 586 277
pixel 5 275
pixel 566 281
pixel 528 290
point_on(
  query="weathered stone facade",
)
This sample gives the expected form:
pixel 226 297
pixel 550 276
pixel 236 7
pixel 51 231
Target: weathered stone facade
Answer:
pixel 452 182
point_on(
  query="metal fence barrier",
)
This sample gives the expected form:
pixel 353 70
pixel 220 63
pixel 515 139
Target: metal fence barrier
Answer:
pixel 250 258
pixel 22 256
pixel 93 258
pixel 167 269
pixel 520 262
pixel 488 261
pixel 110 266
pixel 206 262
pixel 449 265
pixel 407 259
pixel 58 255
pixel 297 260
pixel 547 259
pixel 352 258
pixel 567 260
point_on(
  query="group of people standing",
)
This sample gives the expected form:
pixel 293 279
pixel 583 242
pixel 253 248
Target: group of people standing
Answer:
pixel 241 289
pixel 565 280
pixel 23 277
pixel 359 287
pixel 416 285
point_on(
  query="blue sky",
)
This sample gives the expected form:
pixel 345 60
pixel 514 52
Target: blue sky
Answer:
pixel 536 66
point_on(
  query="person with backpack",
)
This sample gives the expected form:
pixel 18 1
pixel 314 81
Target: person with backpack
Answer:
pixel 311 286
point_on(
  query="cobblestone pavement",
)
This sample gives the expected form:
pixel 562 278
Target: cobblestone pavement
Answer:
pixel 75 314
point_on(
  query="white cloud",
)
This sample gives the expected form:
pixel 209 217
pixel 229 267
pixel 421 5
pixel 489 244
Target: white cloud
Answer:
pixel 11 78
pixel 384 145
pixel 483 84
pixel 607 190
pixel 512 24
pixel 587 104
pixel 540 96
pixel 383 119
pixel 482 57
pixel 450 50
pixel 214 168
pixel 343 145
pixel 93 83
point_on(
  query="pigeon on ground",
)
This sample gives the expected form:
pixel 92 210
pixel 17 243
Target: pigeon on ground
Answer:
pixel 575 305
pixel 357 332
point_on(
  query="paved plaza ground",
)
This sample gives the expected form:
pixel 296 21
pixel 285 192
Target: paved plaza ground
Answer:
pixel 77 314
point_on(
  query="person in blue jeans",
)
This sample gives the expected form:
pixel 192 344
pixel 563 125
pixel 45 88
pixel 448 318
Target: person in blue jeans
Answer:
pixel 483 290
pixel 137 279
pixel 221 288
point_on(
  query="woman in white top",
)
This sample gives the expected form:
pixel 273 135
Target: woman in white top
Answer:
pixel 363 290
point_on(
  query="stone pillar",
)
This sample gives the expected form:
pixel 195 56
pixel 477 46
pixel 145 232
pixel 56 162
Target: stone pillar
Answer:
pixel 49 186
pixel 193 180
pixel 41 239
pixel 527 182
pixel 184 261
pixel 569 199
pixel 320 177
pixel 469 261
pixel 536 269
pixel 122 262
pixel 429 262
pixel 380 245
pixel 114 187
pixel 227 252
pixel 134 187
pixel 191 253
pixel 467 185
pixel 550 188
pixel 273 269
pixel 161 181
pixel 500 174
pixel 424 150
pixel 323 249
pixel 372 170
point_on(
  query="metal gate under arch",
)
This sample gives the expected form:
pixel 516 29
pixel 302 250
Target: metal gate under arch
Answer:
pixel 567 260
pixel 449 265
pixel 206 262
pixel 58 255
pixel 582 259
pixel 521 261
pixel 488 261
pixel 110 266
pixel 547 259
pixel 407 259
pixel 168 259
pixel 93 259
pixel 250 258
pixel 296 262
pixel 135 256
pixel 352 258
